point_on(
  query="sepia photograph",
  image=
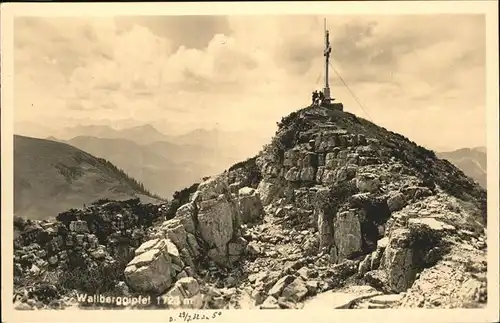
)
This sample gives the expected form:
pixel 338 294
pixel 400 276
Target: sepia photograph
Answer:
pixel 199 162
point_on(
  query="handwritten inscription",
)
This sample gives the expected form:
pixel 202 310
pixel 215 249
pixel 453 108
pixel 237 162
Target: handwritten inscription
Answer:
pixel 193 316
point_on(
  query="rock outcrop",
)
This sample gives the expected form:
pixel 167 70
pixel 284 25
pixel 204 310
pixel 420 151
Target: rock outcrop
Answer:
pixel 84 250
pixel 209 224
pixel 334 211
pixel 153 267
pixel 358 191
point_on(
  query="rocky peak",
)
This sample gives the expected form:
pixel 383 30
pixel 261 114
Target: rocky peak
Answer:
pixel 317 147
pixel 332 204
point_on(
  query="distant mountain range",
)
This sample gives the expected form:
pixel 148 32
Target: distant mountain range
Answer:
pixel 163 167
pixel 51 177
pixel 163 163
pixel 472 161
pixel 139 134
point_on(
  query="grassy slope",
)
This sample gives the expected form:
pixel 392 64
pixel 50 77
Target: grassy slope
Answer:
pixel 51 177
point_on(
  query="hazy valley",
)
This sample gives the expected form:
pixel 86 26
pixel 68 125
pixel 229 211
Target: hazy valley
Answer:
pixel 472 161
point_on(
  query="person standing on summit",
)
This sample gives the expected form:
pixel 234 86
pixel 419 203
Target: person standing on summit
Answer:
pixel 314 97
pixel 321 97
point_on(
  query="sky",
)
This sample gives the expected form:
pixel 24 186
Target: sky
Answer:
pixel 419 75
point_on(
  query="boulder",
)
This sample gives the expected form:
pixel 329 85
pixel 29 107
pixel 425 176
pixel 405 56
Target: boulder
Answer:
pixel 217 220
pixel 376 255
pixel 396 201
pixel 250 205
pixel 430 223
pixel 216 223
pixel 186 214
pixel 280 285
pixel 295 291
pixel 347 234
pixel 99 253
pixel 187 246
pixel 270 303
pixel 267 191
pixel 151 271
pixel 323 217
pixel 398 261
pixel 212 188
pixel 324 229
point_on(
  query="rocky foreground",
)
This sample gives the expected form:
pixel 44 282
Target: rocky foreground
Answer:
pixel 334 213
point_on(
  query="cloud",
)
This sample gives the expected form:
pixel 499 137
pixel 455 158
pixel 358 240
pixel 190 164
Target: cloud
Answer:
pixel 246 72
pixel 197 31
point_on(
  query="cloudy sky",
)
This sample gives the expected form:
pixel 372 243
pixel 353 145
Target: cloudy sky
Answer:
pixel 422 76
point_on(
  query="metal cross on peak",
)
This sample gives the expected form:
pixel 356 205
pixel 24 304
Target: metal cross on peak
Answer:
pixel 326 53
pixel 323 98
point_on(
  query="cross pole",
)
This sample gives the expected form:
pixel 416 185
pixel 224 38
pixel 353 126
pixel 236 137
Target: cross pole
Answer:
pixel 326 53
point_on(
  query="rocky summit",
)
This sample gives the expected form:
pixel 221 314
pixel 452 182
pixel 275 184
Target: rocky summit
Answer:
pixel 336 212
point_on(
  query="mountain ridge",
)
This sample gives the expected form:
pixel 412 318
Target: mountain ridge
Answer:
pixel 334 210
pixel 45 169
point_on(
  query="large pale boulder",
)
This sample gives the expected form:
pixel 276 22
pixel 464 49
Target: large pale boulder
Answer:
pixel 212 188
pixel 398 260
pixel 323 217
pixel 186 214
pixel 218 218
pixel 210 224
pixel 151 270
pixel 185 242
pixel 216 222
pixel 376 255
pixel 430 223
pixel 347 234
pixel 250 205
pixel 267 191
